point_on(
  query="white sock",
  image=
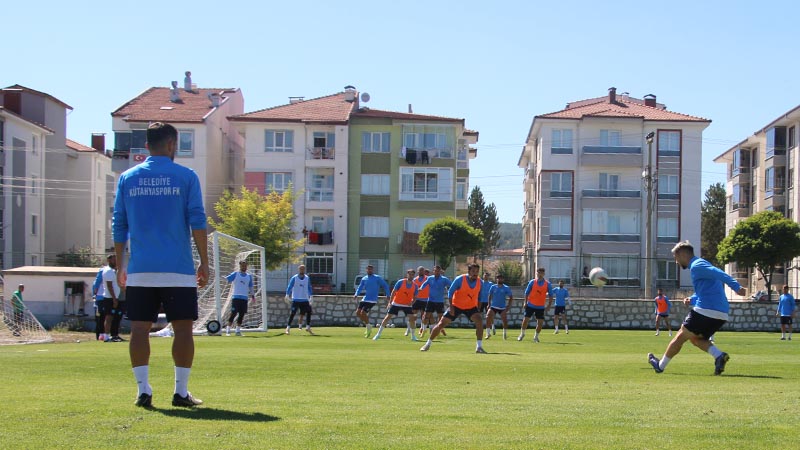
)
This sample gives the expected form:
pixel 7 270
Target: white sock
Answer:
pixel 566 327
pixel 429 341
pixel 480 343
pixel 556 328
pixel 142 375
pixel 182 380
pixel 237 329
pixel 783 334
pixel 664 361
pixel 714 351
pixel 228 329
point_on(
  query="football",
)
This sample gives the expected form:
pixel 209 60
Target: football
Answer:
pixel 598 277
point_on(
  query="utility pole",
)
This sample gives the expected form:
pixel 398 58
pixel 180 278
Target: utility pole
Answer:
pixel 649 181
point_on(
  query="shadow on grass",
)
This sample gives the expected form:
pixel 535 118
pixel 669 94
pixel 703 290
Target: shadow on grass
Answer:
pixel 737 375
pixel 216 414
pixel 502 353
pixel 565 343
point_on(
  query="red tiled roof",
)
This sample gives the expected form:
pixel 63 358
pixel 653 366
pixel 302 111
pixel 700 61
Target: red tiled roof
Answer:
pixel 5 110
pixel 20 87
pixel 78 147
pixel 622 108
pixel 154 105
pixel 331 109
pixel 368 112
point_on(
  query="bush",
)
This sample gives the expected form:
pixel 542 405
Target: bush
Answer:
pixel 511 271
pixel 69 325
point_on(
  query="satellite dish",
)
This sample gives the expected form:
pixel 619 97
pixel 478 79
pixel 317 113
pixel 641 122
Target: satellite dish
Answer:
pixel 365 97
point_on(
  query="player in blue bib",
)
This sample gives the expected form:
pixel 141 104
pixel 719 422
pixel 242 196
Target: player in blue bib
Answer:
pixel 786 311
pixel 561 297
pixel 498 295
pixel 241 292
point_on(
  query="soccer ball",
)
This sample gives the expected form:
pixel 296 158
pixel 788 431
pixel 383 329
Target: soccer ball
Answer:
pixel 598 277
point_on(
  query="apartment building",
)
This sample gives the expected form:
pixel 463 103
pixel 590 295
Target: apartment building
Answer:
pixel 761 176
pixel 585 201
pixel 207 142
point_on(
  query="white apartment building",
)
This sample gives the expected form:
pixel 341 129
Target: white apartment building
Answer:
pixel 761 176
pixel 585 204
pixel 89 218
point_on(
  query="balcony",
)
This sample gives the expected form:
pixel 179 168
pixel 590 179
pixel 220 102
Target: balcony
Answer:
pixel 739 210
pixel 774 200
pixel 740 175
pixel 605 237
pixel 611 156
pixel 320 153
pixel 417 156
pixel 409 244
pixel 611 193
pixel 314 238
pixel 612 149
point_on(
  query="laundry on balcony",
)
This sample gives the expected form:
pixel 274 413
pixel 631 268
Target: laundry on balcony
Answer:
pixel 326 238
pixel 411 156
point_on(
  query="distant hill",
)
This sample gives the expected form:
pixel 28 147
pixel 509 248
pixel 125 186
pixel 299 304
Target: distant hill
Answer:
pixel 510 236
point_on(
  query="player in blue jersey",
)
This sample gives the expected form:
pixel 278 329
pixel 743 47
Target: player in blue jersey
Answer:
pixel 300 292
pixel 498 305
pixel 786 311
pixel 98 318
pixel 160 207
pixel 561 297
pixel 437 286
pixel 241 292
pixel 483 298
pixel 709 313
pixel 370 285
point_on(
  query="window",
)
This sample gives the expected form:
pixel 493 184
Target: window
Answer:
pixel 320 185
pixel 319 262
pixel 2 183
pixel 34 184
pixel 618 267
pixel 610 138
pixel 667 227
pixel 560 228
pixel 321 224
pixel 461 188
pixel 559 269
pixel 668 185
pixel 34 146
pixel 99 241
pixel 378 266
pixel 461 158
pixel 609 182
pixel 2 224
pixel 99 171
pixel 415 225
pixel 426 184
pixel 99 205
pixel 610 222
pixel 34 260
pixel 278 182
pixel 561 142
pixel 438 140
pixel 374 227
pixel 324 140
pixel 185 143
pixel 669 143
pixel 561 184
pixel 740 197
pixel 279 141
pixel 375 142
pixel 774 181
pixel 375 184
pixel 667 270
pixel 34 225
pixel 791 138
pixel 776 142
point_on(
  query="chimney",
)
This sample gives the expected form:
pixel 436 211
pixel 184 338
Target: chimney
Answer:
pixel 293 100
pixel 650 100
pixel 350 93
pixel 214 97
pixel 99 142
pixel 410 111
pixel 187 82
pixel 174 93
pixel 624 96
pixel 612 95
pixel 12 100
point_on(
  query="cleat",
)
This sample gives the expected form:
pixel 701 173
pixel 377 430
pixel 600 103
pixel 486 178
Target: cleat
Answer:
pixel 651 358
pixel 187 402
pixel 414 338
pixel 308 330
pixel 521 337
pixel 719 363
pixel 790 338
pixel 425 347
pixel 536 339
pixel 555 332
pixel 288 329
pixel 377 336
pixel 228 333
pixel 567 331
pixel 493 330
pixel 488 335
pixel 368 332
pixel 144 401
pixel 239 333
pixel 783 338
pixel 670 334
pixel 480 350
pixel 657 333
pixel 407 330
pixel 299 326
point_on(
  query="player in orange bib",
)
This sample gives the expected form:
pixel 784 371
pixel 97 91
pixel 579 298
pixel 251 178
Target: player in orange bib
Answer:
pixel 401 299
pixel 662 311
pixel 536 293
pixel 463 295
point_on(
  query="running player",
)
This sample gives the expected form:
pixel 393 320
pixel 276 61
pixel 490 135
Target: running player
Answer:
pixel 242 287
pixel 401 299
pixel 786 310
pixel 709 314
pixel 536 292
pixel 299 290
pixel 662 311
pixel 370 284
pixel 463 296
pixel 420 299
pixel 561 295
pixel 438 284
pixel 497 299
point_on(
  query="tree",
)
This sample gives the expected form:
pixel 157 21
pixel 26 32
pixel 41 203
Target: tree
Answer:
pixel 264 220
pixel 78 257
pixel 712 222
pixel 763 241
pixel 511 272
pixel 484 218
pixel 449 237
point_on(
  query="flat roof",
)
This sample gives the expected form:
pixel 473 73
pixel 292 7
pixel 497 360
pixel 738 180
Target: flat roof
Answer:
pixel 52 271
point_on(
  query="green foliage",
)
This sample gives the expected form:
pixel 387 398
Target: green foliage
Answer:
pixel 449 237
pixel 510 236
pixel 484 218
pixel 511 271
pixel 712 222
pixel 265 220
pixel 762 241
pixel 80 257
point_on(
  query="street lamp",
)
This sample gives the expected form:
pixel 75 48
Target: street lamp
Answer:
pixel 649 180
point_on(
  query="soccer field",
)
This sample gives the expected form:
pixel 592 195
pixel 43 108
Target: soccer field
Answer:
pixel 588 389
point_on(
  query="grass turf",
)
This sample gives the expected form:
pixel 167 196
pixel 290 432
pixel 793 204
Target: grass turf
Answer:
pixel 588 389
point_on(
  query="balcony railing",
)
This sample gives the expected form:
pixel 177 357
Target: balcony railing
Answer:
pixel 314 238
pixel 321 153
pixel 604 237
pixel 611 193
pixel 424 156
pixel 612 149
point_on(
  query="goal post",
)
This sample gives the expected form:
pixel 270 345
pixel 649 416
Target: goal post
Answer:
pixel 20 327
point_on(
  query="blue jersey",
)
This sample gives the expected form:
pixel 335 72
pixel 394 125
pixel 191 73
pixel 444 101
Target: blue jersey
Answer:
pixel 708 290
pixel 483 297
pixel 370 285
pixel 98 282
pixel 498 295
pixel 158 204
pixel 439 287
pixel 786 305
pixel 561 296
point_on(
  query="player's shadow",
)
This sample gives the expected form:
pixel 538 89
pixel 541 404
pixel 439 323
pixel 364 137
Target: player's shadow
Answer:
pixel 502 353
pixel 216 414
pixel 738 375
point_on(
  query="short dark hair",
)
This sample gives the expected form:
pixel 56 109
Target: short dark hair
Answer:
pixel 683 246
pixel 158 134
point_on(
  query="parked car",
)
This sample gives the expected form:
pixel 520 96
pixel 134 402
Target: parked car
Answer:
pixel 321 283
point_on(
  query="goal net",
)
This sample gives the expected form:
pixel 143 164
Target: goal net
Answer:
pixel 20 327
pixel 214 300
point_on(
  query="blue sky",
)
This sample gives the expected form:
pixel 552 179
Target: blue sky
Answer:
pixel 496 64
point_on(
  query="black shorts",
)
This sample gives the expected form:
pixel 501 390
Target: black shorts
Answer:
pixel 453 312
pixel 531 311
pixel 701 325
pixel 786 320
pixel 662 315
pixel 366 306
pixel 120 309
pixel 238 306
pixel 497 310
pixel 559 310
pixel 303 307
pixel 419 305
pixel 437 307
pixel 483 307
pixel 395 310
pixel 105 306
pixel 144 303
